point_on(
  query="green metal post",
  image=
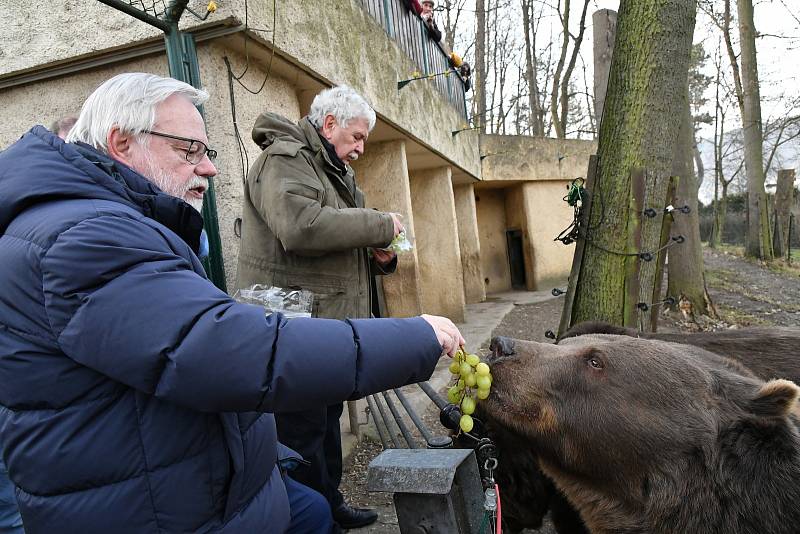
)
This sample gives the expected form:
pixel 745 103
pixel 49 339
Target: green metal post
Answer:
pixel 183 66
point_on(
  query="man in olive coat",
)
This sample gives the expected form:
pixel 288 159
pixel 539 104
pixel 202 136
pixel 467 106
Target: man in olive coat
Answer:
pixel 304 225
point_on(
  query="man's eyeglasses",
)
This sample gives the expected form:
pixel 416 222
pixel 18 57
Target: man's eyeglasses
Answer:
pixel 195 151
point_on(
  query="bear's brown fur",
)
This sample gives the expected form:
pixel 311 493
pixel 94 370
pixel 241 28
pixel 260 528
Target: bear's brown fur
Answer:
pixel 649 436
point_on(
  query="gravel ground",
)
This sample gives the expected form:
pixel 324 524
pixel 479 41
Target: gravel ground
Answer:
pixel 744 292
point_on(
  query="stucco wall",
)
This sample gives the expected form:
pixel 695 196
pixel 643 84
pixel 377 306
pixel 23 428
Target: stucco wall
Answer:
pixel 520 157
pixel 469 243
pixel 536 172
pixel 344 46
pixel 442 286
pixel 490 207
pixel 552 260
pixel 44 102
pixel 278 96
pixel 517 218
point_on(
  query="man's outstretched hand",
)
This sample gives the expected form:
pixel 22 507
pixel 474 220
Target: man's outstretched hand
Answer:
pixel 446 332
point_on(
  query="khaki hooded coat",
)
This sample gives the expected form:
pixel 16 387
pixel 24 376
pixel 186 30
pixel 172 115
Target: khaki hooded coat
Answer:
pixel 304 224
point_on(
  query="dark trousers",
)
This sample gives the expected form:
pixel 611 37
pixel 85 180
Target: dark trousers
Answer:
pixel 315 434
pixel 310 512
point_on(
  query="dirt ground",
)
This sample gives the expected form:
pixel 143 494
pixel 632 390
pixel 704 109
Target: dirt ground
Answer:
pixel 745 293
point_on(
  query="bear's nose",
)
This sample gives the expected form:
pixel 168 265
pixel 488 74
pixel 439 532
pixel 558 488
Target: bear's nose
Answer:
pixel 500 347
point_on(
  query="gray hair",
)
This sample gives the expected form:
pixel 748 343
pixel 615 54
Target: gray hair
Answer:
pixel 344 104
pixel 127 101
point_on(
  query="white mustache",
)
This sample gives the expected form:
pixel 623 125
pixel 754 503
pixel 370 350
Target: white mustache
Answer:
pixel 353 156
pixel 197 181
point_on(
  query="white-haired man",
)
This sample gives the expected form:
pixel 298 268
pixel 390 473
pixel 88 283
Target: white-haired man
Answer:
pixel 304 224
pixel 135 396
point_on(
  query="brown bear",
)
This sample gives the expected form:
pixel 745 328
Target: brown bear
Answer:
pixel 646 436
pixel 769 352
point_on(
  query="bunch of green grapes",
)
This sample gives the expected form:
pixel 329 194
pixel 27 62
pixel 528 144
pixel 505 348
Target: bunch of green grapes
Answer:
pixel 472 380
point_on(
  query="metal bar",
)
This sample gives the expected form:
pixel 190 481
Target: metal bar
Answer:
pixel 373 411
pixel 352 415
pixel 666 226
pixel 175 10
pixel 214 264
pixel 414 417
pixel 385 418
pixel 136 13
pixel 388 19
pixel 400 423
pixel 429 391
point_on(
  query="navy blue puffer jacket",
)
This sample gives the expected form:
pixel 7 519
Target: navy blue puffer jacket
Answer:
pixel 135 396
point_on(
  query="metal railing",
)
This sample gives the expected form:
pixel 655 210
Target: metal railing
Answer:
pixel 409 32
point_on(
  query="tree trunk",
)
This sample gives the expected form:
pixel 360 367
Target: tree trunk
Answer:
pixel 686 280
pixel 783 207
pixel 758 241
pixel 722 214
pixel 643 107
pixel 605 30
pixel 537 128
pixel 567 78
pixel 562 58
pixel 479 88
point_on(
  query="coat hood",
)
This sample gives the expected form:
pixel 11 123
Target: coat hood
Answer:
pixel 41 167
pixel 271 128
pixel 282 136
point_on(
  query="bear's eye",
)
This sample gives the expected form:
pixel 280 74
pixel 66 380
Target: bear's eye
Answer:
pixel 595 362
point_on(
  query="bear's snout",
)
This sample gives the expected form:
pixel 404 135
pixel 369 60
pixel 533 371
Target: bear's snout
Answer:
pixel 500 347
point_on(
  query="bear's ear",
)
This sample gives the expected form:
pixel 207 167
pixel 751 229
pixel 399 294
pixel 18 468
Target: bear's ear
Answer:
pixel 776 398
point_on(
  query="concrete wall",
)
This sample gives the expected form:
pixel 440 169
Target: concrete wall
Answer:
pixel 436 232
pixel 517 218
pixel 491 214
pixel 45 102
pixel 344 46
pixel 551 260
pixel 469 243
pixel 382 173
pixel 278 95
pixel 534 173
pixel 520 157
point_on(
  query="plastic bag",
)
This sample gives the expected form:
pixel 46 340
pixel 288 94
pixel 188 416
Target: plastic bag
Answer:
pixel 400 243
pixel 289 302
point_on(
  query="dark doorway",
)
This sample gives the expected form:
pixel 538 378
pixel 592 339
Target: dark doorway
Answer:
pixel 516 258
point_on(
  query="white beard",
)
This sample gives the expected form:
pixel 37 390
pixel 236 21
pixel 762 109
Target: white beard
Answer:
pixel 168 183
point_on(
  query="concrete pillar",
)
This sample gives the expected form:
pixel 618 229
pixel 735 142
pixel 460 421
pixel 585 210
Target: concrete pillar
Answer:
pixel 469 243
pixel 491 213
pixel 436 233
pixel 783 205
pixel 382 173
pixel 604 22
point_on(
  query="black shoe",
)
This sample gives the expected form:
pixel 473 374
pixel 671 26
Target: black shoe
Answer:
pixel 349 517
